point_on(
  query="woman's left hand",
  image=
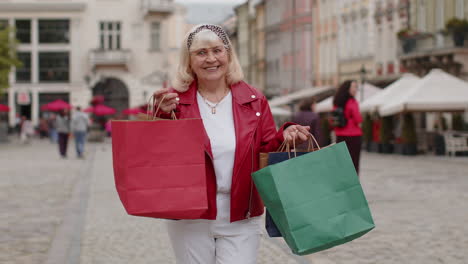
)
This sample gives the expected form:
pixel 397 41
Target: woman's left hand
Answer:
pixel 296 133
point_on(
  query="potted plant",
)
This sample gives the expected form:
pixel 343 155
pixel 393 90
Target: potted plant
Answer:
pixel 367 131
pixel 457 122
pixel 458 28
pixel 408 135
pixel 407 38
pixel 386 134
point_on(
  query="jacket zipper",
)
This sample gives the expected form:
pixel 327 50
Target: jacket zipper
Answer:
pixel 251 185
pixel 251 171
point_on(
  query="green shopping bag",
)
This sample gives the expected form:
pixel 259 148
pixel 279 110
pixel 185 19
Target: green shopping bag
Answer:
pixel 315 199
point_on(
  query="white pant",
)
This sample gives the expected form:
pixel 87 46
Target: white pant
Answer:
pixel 216 241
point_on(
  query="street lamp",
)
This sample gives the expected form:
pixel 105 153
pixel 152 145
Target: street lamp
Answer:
pixel 363 73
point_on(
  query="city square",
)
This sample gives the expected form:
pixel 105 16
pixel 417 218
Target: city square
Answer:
pixel 68 211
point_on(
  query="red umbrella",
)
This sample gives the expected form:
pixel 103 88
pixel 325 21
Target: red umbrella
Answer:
pixel 133 111
pixel 97 100
pixel 56 105
pixel 100 110
pixel 4 108
pixel 89 109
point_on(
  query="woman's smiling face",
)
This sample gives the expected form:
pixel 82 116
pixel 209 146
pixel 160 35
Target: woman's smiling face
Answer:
pixel 209 59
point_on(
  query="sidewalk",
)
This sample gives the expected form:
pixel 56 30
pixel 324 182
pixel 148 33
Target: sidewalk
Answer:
pixel 57 211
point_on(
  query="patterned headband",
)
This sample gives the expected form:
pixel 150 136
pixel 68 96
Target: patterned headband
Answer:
pixel 219 31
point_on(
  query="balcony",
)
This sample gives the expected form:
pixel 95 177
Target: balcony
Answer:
pixel 420 54
pixel 109 58
pixel 157 7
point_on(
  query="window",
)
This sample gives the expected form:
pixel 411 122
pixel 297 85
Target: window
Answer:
pixel 422 16
pixel 23 30
pixel 54 31
pixel 109 36
pixel 3 24
pixel 54 67
pixel 155 36
pixel 440 18
pixel 23 73
pixel 460 9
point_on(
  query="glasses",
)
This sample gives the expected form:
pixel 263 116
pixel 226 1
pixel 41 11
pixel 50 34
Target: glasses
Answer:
pixel 205 52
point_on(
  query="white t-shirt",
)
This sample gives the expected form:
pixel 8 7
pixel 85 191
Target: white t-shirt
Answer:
pixel 220 130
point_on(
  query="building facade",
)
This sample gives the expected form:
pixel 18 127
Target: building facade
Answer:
pixel 258 31
pixel 243 42
pixel 72 50
pixel 325 15
pixel 289 46
pixel 356 40
pixel 429 45
pixel 391 17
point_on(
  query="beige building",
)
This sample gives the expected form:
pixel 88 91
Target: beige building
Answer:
pixel 325 15
pixel 390 17
pixel 429 46
pixel 257 36
pixel 356 39
pixel 75 49
pixel 243 41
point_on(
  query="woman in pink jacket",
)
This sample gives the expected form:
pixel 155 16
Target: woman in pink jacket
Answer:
pixel 351 133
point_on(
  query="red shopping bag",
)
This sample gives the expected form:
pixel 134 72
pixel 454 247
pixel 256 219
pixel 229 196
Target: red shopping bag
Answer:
pixel 159 167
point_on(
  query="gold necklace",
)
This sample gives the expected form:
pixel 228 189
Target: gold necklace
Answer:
pixel 213 107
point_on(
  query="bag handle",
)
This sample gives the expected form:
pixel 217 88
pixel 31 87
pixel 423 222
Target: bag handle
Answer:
pixel 151 105
pixel 311 140
pixel 285 147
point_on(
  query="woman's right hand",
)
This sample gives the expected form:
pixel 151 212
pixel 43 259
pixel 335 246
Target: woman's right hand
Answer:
pixel 170 102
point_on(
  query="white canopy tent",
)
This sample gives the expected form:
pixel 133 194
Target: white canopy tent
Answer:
pixel 438 91
pixel 278 111
pixel 301 94
pixel 390 93
pixel 369 91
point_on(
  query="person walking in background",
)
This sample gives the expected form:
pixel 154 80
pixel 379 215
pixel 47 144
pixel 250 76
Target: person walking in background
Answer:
pixel 62 124
pixel 351 132
pixel 26 131
pixel 306 116
pixel 79 126
pixel 43 128
pixel 52 130
pixel 239 125
pixel 108 127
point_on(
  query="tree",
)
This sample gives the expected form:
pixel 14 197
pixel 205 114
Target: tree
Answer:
pixel 8 57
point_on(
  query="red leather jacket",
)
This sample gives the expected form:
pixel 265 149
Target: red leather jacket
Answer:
pixel 255 132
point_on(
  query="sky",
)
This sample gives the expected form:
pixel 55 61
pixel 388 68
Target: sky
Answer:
pixel 210 1
pixel 209 11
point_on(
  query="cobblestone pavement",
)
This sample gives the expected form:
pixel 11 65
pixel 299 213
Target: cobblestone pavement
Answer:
pixel 56 211
pixel 35 185
pixel 420 208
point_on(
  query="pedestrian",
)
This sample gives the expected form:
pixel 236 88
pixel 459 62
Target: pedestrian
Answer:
pixel 62 124
pixel 307 116
pixel 18 123
pixel 108 127
pixel 79 126
pixel 351 133
pixel 27 130
pixel 239 125
pixel 43 128
pixel 53 136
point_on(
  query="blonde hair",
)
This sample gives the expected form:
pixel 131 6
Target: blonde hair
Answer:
pixel 185 76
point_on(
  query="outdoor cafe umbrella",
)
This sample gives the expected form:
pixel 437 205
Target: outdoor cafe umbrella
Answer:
pixel 4 108
pixel 101 110
pixel 56 105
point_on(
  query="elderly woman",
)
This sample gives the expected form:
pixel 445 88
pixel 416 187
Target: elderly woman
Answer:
pixel 239 125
